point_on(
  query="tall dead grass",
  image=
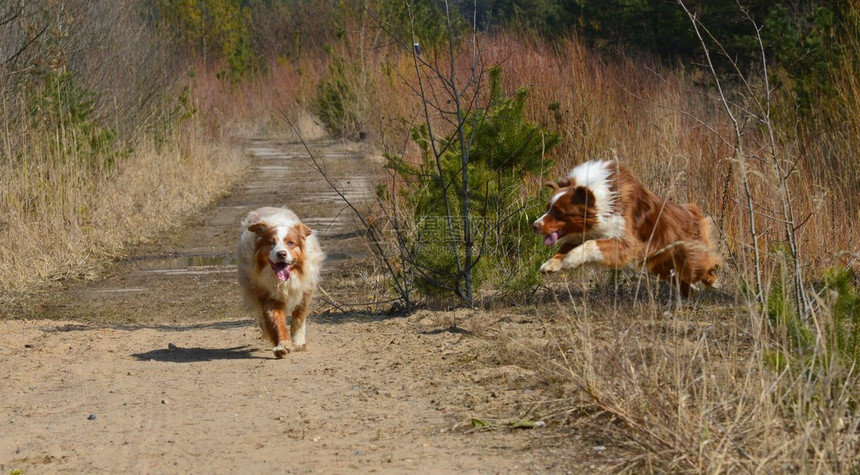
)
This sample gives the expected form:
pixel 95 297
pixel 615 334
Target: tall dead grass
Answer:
pixel 687 390
pixel 61 218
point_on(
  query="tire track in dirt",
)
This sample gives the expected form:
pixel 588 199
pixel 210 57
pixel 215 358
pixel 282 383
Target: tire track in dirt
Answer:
pixel 155 368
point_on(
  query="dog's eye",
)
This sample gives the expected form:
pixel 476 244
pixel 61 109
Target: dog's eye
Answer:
pixel 291 244
pixel 271 242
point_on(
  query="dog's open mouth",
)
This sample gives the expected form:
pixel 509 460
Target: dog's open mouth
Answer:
pixel 282 270
pixel 552 238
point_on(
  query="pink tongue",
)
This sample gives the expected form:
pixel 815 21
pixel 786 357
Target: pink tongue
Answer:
pixel 281 270
pixel 551 239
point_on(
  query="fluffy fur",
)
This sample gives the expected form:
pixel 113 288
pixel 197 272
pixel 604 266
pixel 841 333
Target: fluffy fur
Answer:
pixel 601 214
pixel 279 260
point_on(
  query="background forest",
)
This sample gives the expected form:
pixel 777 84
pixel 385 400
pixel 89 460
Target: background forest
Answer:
pixel 130 114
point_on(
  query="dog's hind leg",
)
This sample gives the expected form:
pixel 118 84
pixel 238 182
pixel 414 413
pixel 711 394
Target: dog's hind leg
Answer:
pixel 274 327
pixel 298 324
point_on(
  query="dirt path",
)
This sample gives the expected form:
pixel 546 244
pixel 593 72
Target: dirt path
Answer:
pixel 155 368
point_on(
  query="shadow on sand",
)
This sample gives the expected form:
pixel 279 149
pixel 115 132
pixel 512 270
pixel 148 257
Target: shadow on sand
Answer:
pixel 178 327
pixel 176 354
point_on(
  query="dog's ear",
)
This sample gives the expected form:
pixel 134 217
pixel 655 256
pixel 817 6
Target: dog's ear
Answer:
pixel 582 196
pixel 556 185
pixel 258 228
pixel 306 231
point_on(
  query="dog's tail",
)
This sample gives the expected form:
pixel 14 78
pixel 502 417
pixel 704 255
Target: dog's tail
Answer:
pixel 712 261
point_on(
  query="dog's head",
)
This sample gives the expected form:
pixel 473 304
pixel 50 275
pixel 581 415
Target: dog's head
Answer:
pixel 571 210
pixel 280 247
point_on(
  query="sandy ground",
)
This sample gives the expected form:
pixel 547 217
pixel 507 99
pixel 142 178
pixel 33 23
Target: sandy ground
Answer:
pixel 155 368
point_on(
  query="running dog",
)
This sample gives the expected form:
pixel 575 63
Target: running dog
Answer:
pixel 601 214
pixel 278 260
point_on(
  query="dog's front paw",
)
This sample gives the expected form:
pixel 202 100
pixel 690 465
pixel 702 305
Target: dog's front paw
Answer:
pixel 301 347
pixel 282 349
pixel 550 266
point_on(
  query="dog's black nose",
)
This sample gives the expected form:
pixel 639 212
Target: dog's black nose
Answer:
pixel 282 255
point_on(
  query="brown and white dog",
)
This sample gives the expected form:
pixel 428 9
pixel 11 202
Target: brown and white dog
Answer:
pixel 279 260
pixel 601 214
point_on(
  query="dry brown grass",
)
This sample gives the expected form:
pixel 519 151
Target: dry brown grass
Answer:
pixel 644 386
pixel 689 391
pixel 62 219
